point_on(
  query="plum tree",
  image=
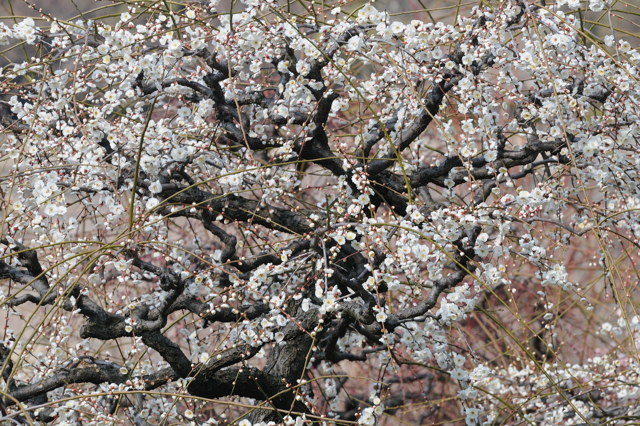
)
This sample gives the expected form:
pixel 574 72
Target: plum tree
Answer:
pixel 320 213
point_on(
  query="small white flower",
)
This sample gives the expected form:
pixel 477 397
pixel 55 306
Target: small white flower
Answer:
pixel 155 187
pixel 329 303
pixel 184 112
pixel 491 156
pixel 467 59
pixel 459 374
pixel 468 126
pixel 174 45
pixel 609 39
pixel 417 216
pixel 152 202
pixel 179 153
pixel 15 153
pixel 111 96
pixel 367 417
pixel 283 67
pixel 120 265
pixel 363 199
pixel 625 46
pixel 197 44
pixel 303 68
pixel 472 413
pixel 555 131
pixel 397 27
pixel 51 210
pixel 354 43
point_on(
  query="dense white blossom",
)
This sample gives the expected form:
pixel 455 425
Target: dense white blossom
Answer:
pixel 293 207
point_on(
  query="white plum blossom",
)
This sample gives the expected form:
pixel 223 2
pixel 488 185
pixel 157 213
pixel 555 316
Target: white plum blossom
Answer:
pixel 155 187
pixel 355 43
